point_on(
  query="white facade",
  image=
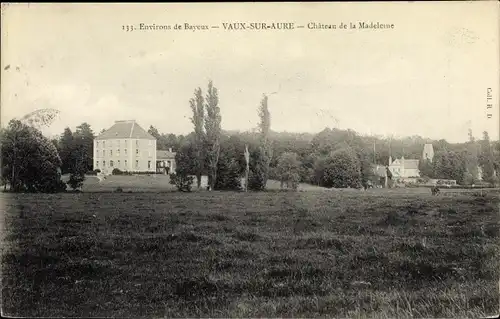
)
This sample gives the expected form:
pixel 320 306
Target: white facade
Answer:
pixel 132 155
pixel 404 168
pixel 428 153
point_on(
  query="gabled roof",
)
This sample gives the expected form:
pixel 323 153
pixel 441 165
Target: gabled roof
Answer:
pixel 165 155
pixel 407 163
pixel 411 164
pixel 125 129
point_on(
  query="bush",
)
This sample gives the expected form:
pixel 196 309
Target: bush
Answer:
pixel 183 182
pixel 342 170
pixel 119 190
pixel 76 180
pixel 117 171
pixel 256 180
pixel 228 174
pixel 141 173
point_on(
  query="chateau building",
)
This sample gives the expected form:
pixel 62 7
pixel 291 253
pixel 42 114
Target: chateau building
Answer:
pixel 126 146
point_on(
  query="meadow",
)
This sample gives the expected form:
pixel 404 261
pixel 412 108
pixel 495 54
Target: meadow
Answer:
pixel 377 254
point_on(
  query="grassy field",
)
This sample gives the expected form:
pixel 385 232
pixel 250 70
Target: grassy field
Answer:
pixel 336 253
pixel 155 183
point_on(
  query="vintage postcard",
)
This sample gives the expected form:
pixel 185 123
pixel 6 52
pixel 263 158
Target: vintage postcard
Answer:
pixel 250 160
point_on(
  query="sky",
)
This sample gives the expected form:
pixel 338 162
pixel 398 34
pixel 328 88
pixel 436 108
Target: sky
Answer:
pixel 428 76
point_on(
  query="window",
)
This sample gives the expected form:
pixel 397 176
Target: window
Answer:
pixel 97 143
pixel 103 152
pixel 117 142
pixel 136 164
pixel 96 163
pixel 110 163
pixel 110 152
pixel 149 153
pixel 137 143
pixel 149 164
pixel 118 152
pixel 125 151
pixel 136 151
pixel 125 164
pixel 103 143
pixel 118 163
pixel 103 163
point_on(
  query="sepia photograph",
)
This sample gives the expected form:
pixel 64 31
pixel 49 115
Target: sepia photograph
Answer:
pixel 250 160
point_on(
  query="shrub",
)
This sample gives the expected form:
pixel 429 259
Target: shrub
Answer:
pixel 119 190
pixel 342 170
pixel 183 182
pixel 228 174
pixel 117 171
pixel 76 180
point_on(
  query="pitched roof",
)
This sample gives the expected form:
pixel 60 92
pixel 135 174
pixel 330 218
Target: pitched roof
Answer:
pixel 125 129
pixel 165 155
pixel 407 163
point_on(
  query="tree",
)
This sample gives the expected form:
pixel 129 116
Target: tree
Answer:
pixel 77 176
pixel 30 160
pixel 470 155
pixel 342 170
pixel 198 108
pixel 185 159
pixel 154 131
pixel 449 165
pixel 486 159
pixel 83 139
pixel 257 172
pixel 213 132
pixel 365 166
pixel 228 176
pixel 66 147
pixel 266 152
pixel 288 170
pixel 426 168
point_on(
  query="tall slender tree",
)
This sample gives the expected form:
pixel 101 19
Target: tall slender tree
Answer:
pixel 265 141
pixel 486 158
pixel 66 147
pixel 198 108
pixel 471 160
pixel 213 132
pixel 83 138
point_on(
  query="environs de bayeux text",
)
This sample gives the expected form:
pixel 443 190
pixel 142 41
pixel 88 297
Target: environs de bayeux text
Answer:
pixel 260 26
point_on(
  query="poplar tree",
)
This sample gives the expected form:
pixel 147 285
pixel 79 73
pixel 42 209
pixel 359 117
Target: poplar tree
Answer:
pixel 197 106
pixel 213 132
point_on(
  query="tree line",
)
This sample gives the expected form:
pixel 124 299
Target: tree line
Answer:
pixel 330 158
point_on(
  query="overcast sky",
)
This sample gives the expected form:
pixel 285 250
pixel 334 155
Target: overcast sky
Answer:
pixel 427 76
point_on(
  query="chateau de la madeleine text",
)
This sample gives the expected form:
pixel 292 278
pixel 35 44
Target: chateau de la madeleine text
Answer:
pixel 236 26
